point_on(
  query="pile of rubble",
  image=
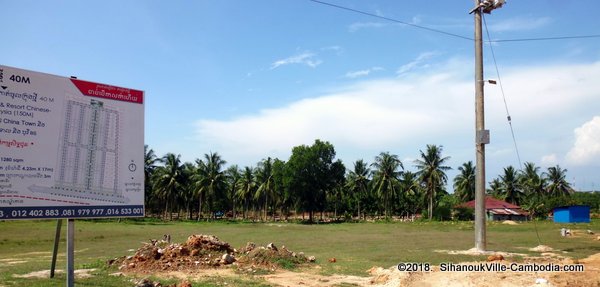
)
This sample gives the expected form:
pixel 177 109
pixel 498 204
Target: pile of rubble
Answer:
pixel 207 251
pixel 252 257
pixel 149 283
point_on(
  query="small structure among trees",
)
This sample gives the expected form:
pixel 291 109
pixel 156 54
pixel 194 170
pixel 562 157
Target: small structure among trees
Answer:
pixel 572 214
pixel 497 209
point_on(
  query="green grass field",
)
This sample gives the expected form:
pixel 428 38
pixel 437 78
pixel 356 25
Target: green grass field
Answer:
pixel 26 246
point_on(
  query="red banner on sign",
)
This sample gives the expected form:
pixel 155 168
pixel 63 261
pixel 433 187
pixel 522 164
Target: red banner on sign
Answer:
pixel 109 92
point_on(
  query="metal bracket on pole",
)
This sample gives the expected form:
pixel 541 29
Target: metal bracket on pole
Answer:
pixel 483 137
pixel 55 251
pixel 70 252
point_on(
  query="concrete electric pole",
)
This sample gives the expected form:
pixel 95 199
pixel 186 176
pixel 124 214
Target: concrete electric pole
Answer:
pixel 482 136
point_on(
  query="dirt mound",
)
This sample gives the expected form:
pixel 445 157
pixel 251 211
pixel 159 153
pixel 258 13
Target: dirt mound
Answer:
pixel 205 252
pixel 271 257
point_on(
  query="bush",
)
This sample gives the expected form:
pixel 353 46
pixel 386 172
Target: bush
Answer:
pixel 464 213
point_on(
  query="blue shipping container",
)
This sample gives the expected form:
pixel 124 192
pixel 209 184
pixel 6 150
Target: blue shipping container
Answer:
pixel 572 214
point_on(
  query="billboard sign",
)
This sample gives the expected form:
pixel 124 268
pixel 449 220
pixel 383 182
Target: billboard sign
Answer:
pixel 69 148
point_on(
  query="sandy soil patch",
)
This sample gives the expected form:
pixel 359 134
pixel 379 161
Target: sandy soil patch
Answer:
pixel 289 278
pixel 12 261
pixel 79 273
pixel 590 277
pixel 541 248
pixel 391 277
pixel 476 252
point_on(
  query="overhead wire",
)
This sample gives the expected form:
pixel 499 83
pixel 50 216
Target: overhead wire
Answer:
pixel 543 38
pixel 508 117
pixel 453 34
pixel 393 20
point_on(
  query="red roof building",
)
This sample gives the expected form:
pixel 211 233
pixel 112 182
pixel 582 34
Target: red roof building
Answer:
pixel 497 209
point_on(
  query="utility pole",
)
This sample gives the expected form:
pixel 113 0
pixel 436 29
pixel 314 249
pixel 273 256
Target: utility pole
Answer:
pixel 482 136
pixel 480 228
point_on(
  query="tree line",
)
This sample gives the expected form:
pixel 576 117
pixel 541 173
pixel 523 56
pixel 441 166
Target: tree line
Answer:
pixel 312 183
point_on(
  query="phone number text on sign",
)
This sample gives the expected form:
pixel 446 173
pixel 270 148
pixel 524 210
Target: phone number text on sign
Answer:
pixel 69 212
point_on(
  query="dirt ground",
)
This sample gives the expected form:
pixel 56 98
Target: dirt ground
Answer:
pixel 590 277
pixel 391 277
pixel 207 256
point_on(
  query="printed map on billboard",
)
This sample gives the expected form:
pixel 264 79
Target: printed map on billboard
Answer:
pixel 69 148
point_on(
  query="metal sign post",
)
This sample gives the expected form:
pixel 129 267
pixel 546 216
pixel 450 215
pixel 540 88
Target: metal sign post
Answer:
pixel 70 252
pixel 55 251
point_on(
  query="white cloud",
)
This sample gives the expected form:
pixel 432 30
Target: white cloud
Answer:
pixel 548 94
pixel 369 115
pixel 362 73
pixel 306 58
pixel 416 63
pixel 586 149
pixel 332 48
pixel 519 24
pixel 549 160
pixel 362 25
pixel 434 106
pixel 416 20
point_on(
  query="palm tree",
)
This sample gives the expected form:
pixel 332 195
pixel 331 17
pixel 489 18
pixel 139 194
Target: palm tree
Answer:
pixel 533 185
pixel 464 182
pixel 168 179
pixel 210 180
pixel 186 196
pixel 245 188
pixel 558 185
pixel 150 161
pixel 495 188
pixel 386 177
pixel 233 177
pixel 409 184
pixel 358 182
pixel 432 172
pixel 510 188
pixel 281 197
pixel 265 183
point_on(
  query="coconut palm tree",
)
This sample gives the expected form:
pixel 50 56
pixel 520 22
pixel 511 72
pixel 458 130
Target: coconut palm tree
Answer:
pixel 431 171
pixel 510 188
pixel 358 182
pixel 150 164
pixel 557 184
pixel 185 197
pixel 464 182
pixel 265 183
pixel 409 184
pixel 233 176
pixel 167 179
pixel 210 180
pixel 532 183
pixel 387 172
pixel 245 188
pixel 495 188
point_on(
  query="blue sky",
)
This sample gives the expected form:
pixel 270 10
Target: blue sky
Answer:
pixel 252 79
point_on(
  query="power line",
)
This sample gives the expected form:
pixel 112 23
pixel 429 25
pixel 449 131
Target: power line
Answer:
pixel 554 38
pixel 543 38
pixel 393 20
pixel 508 116
pixel 503 95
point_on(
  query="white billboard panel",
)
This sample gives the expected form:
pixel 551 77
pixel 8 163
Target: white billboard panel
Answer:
pixel 69 148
